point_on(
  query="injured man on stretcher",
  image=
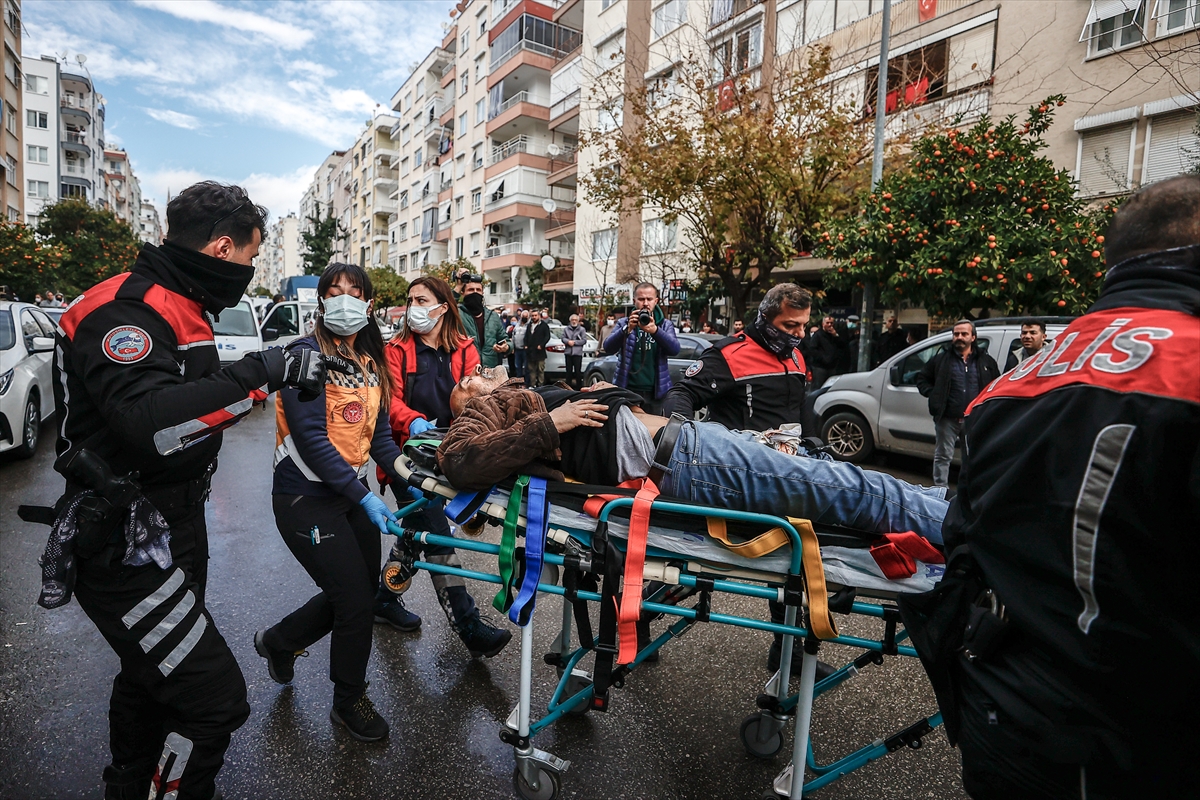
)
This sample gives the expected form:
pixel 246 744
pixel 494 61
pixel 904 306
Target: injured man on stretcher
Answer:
pixel 602 436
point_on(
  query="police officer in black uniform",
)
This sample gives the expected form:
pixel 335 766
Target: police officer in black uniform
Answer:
pixel 753 381
pixel 1072 540
pixel 139 388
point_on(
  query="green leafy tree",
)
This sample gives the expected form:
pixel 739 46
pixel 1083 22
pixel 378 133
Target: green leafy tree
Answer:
pixel 29 265
pixel 976 219
pixel 535 279
pixel 390 287
pixel 92 243
pixel 747 170
pixel 446 269
pixel 320 241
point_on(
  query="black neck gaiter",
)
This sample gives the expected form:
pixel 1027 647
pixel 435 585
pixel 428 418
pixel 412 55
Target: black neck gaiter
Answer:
pixel 222 283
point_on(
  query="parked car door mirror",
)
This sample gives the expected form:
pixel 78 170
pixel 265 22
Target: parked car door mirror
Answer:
pixel 270 334
pixel 896 375
pixel 41 344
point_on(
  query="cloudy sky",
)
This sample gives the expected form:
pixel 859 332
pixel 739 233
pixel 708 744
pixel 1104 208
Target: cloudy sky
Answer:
pixel 256 93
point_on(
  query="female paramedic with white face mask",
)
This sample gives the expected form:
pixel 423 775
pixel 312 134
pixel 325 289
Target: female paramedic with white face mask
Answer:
pixel 328 517
pixel 427 359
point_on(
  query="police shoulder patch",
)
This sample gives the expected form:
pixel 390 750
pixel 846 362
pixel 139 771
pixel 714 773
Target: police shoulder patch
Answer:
pixel 126 344
pixel 694 368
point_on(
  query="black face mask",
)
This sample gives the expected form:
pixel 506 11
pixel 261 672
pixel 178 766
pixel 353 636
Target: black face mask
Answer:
pixel 222 283
pixel 473 303
pixel 778 342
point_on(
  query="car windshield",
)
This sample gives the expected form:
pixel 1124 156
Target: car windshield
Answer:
pixel 8 335
pixel 236 321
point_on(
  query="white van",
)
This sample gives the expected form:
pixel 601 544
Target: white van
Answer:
pixel 236 332
pixel 288 321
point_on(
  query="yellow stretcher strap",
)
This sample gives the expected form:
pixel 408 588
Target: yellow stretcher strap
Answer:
pixel 821 620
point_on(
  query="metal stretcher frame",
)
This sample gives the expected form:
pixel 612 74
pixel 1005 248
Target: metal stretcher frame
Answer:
pixel 537 773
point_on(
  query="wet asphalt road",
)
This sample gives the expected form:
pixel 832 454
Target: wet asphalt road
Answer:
pixel 671 732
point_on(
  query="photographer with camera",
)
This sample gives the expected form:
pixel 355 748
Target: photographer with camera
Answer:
pixel 645 339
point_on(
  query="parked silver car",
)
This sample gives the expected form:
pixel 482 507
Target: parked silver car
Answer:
pixel 860 412
pixel 556 361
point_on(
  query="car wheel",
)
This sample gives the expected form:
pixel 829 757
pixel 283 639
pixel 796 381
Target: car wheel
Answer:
pixel 848 437
pixel 593 378
pixel 31 428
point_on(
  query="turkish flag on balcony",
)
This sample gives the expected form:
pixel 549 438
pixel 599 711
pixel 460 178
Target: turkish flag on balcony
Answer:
pixel 726 97
pixel 926 9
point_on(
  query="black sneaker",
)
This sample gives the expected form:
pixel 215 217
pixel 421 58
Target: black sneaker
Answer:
pixel 361 719
pixel 280 663
pixel 482 639
pixel 393 612
pixel 823 670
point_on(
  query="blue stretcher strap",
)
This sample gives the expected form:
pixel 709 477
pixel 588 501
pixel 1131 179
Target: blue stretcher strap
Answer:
pixel 535 544
pixel 465 504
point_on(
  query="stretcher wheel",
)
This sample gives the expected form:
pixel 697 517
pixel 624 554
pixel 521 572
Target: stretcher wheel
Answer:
pixel 575 685
pixel 393 578
pixel 549 785
pixel 748 733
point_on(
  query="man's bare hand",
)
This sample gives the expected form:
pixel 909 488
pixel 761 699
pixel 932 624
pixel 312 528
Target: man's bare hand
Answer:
pixel 579 414
pixel 598 385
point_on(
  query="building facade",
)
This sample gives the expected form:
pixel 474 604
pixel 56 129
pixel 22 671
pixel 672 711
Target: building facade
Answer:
pixel 12 155
pixel 122 190
pixel 279 256
pixel 149 226
pixel 43 147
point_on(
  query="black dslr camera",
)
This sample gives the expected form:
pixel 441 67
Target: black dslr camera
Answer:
pixel 644 318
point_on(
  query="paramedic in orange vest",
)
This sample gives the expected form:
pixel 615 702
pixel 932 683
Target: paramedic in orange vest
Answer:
pixel 329 519
pixel 138 386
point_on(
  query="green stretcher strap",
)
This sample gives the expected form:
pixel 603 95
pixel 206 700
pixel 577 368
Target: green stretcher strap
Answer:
pixel 508 546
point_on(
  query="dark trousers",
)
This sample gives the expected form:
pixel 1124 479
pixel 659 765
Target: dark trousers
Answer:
pixel 574 367
pixel 519 363
pixel 820 375
pixel 535 371
pixel 451 590
pixel 344 564
pixel 179 694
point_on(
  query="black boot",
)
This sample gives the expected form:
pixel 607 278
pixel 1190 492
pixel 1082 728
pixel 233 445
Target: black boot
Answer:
pixel 131 782
pixel 361 719
pixel 481 638
pixel 281 664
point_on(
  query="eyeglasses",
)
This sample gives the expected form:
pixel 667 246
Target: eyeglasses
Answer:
pixel 225 217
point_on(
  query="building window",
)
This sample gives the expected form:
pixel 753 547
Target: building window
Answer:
pixel 460 166
pixel 37 84
pixel 421 88
pixel 475 244
pixel 604 244
pixel 464 41
pixel 480 72
pixel 1172 146
pixel 738 53
pixel 401 263
pixel 669 16
pixel 11 172
pixel 1175 16
pixel 402 232
pixel 609 53
pixel 610 115
pixel 476 156
pixel 408 101
pixel 405 134
pixel 849 12
pixel 464 84
pixel 404 166
pixel 476 201
pixel 458 247
pixel 38 155
pixel 913 78
pixel 1112 26
pixel 658 237
pixel 1105 163
pixel 36 119
pixel 12 17
pixel 606 3
pixel 462 124
pixel 10 119
pixel 38 189
pixel 417 157
pixel 458 207
pixel 481 110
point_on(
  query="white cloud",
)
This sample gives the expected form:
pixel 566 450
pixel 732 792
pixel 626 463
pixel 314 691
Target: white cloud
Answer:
pixel 283 34
pixel 175 118
pixel 279 193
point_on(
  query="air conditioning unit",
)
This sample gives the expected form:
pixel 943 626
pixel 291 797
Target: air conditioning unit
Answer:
pixel 494 228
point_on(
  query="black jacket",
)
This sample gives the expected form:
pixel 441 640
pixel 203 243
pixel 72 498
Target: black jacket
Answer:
pixel 744 385
pixel 890 343
pixel 933 381
pixel 137 378
pixel 536 338
pixel 1079 497
pixel 825 351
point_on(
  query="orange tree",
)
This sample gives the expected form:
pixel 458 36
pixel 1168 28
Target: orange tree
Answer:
pixel 94 244
pixel 27 265
pixel 977 219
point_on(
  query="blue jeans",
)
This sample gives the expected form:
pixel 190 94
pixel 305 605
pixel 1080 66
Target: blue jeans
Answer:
pixel 947 431
pixel 717 467
pixel 519 363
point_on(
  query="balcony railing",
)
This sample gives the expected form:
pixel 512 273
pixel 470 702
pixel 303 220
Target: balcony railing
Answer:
pixel 567 154
pixel 566 104
pixel 446 184
pixel 971 105
pixel 429 199
pixel 559 275
pixel 76 138
pixel 519 97
pixel 508 249
pixel 517 144
pixel 525 44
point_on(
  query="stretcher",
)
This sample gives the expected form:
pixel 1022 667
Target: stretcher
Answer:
pixel 689 551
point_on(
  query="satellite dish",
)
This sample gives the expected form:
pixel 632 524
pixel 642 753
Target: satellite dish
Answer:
pixel 81 58
pixel 549 206
pixel 553 149
pixel 547 261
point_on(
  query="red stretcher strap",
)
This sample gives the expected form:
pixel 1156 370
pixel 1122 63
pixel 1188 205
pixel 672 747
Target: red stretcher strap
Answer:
pixel 595 504
pixel 897 554
pixel 635 562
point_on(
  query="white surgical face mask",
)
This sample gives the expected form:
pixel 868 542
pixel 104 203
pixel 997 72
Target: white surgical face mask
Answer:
pixel 345 314
pixel 418 320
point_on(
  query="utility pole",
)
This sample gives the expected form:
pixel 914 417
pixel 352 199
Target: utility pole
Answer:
pixel 867 322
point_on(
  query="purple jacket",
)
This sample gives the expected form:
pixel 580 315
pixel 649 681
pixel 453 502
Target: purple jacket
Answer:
pixel 668 345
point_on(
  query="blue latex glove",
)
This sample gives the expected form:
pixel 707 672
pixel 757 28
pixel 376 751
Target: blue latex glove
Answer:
pixel 416 493
pixel 419 426
pixel 378 511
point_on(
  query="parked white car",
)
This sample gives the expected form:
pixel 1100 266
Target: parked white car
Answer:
pixel 860 412
pixel 236 332
pixel 288 321
pixel 556 360
pixel 26 376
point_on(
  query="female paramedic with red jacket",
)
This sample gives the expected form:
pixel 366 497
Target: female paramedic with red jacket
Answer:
pixel 327 516
pixel 427 359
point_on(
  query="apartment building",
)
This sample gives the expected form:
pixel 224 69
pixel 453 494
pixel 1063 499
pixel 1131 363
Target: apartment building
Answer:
pixel 43 148
pixel 1129 68
pixel 12 181
pixel 318 199
pixel 122 190
pixel 279 256
pixel 149 225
